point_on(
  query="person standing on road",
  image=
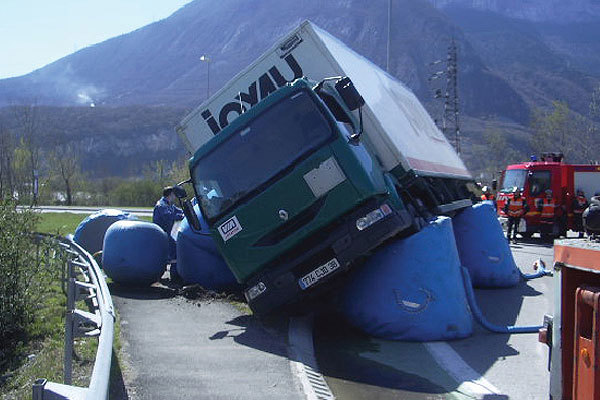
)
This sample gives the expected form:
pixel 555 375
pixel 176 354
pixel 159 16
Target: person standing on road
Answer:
pixel 548 216
pixel 165 215
pixel 580 203
pixel 515 208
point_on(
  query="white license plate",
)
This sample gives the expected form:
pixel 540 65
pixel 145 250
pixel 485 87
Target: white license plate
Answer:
pixel 316 275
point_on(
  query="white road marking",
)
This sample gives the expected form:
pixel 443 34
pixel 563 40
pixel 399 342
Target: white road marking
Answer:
pixel 470 380
pixel 303 362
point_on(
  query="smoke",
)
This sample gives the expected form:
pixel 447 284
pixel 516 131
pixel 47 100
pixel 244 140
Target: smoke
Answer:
pixel 84 98
pixel 71 85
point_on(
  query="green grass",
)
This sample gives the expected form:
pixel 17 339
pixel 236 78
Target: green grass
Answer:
pixel 59 223
pixel 40 352
pixel 64 223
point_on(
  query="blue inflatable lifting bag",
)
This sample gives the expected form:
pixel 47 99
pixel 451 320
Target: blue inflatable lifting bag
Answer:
pixel 411 289
pixel 483 249
pixel 90 232
pixel 199 260
pixel 135 252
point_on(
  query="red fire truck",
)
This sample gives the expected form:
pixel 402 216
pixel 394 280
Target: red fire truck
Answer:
pixel 534 178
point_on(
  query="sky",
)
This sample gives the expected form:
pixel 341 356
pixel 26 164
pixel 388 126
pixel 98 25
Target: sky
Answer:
pixel 34 33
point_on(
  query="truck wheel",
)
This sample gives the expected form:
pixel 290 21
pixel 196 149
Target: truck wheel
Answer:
pixel 418 222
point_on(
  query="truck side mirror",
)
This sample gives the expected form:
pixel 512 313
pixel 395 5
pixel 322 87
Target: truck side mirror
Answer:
pixel 494 185
pixel 179 192
pixel 349 94
pixel 190 215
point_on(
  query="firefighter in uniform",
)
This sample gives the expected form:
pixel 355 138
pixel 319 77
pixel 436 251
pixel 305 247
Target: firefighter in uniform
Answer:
pixel 580 203
pixel 548 210
pixel 487 194
pixel 515 208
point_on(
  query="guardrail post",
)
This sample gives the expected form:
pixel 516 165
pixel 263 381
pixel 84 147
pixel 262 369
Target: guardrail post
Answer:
pixel 38 389
pixel 68 358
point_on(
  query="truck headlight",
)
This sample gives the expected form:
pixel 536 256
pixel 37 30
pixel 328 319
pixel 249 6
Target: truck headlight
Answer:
pixel 372 217
pixel 255 291
pixel 362 223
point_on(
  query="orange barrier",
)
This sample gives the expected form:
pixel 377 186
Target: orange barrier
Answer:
pixel 586 371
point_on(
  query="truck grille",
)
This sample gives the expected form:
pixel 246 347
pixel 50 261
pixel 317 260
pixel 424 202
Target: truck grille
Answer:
pixel 288 228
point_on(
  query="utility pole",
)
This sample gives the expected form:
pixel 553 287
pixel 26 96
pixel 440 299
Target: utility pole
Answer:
pixel 451 105
pixel 207 60
pixel 387 64
pixel 450 124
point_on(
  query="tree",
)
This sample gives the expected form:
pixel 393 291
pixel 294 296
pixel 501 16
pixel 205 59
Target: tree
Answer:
pixel 64 165
pixel 561 129
pixel 27 118
pixel 7 149
pixel 20 165
pixel 495 153
pixel 591 147
pixel 554 130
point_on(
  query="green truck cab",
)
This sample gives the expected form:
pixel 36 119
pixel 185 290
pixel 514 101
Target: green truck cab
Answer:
pixel 293 195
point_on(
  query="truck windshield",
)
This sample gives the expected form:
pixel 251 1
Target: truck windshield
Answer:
pixel 514 178
pixel 539 182
pixel 270 143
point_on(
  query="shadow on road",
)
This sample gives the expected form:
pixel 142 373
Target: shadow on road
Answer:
pixel 141 293
pixel 117 389
pixel 339 348
pixel 267 335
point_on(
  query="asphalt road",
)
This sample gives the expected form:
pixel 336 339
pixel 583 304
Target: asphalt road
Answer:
pixel 484 366
pixel 180 349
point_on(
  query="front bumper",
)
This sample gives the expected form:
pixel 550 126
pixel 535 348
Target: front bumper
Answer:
pixel 341 240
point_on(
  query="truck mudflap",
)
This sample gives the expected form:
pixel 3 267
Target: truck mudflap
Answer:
pixel 309 268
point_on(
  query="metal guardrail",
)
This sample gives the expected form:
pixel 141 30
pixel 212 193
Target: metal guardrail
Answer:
pixel 97 322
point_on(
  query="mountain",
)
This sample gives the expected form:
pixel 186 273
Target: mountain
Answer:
pixel 561 11
pixel 159 64
pixel 514 55
pixel 525 54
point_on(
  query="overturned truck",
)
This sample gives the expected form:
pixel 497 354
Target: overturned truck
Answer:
pixel 309 159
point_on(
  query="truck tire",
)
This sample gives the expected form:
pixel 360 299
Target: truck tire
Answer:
pixel 418 222
pixel 547 237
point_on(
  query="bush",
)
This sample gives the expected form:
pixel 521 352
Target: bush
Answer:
pixel 26 270
pixel 136 193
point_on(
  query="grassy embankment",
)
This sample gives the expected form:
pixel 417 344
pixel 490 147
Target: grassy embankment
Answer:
pixel 40 352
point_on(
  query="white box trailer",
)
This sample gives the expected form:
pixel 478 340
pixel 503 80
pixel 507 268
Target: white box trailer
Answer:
pixel 395 122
